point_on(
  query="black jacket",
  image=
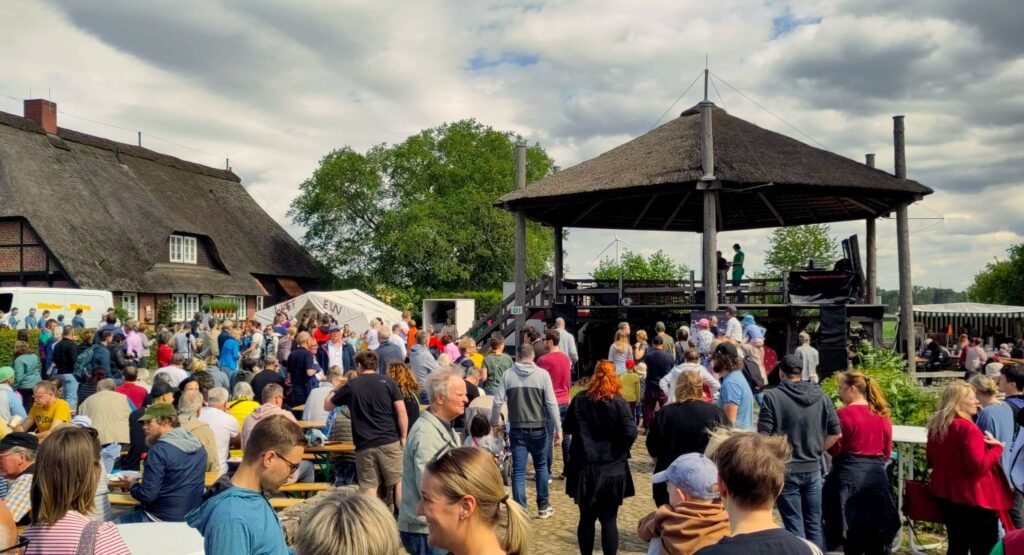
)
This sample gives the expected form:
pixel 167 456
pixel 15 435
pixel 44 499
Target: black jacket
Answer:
pixel 681 428
pixel 65 352
pixel 602 431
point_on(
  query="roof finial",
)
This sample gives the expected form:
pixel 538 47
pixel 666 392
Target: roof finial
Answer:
pixel 705 77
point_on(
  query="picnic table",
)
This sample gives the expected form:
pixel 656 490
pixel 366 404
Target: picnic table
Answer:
pixel 322 453
pixel 126 500
pixel 299 489
pixel 905 439
pixel 208 480
pixel 307 424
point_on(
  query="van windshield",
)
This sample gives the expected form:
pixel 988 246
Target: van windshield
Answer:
pixel 5 301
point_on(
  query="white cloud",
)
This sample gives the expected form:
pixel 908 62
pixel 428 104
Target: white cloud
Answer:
pixel 276 86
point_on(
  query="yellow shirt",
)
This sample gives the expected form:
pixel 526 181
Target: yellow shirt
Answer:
pixel 44 418
pixel 241 410
pixel 478 360
pixel 631 387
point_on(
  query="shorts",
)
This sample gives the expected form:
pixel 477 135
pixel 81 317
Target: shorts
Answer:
pixel 377 466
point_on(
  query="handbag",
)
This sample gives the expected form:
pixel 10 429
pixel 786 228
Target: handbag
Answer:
pixel 919 504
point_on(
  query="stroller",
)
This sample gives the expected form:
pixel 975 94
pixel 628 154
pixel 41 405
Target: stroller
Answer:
pixel 483 405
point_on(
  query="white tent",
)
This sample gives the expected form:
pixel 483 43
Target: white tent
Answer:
pixel 351 306
pixel 970 308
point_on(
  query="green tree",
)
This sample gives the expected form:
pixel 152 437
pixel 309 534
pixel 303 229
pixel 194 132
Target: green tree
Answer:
pixel 1002 281
pixel 657 266
pixel 789 248
pixel 419 213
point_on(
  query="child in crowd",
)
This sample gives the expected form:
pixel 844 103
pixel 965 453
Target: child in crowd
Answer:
pixel 480 435
pixel 631 389
pixel 695 516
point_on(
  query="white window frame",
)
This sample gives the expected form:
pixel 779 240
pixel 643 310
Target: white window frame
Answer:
pixel 183 249
pixel 242 308
pixel 130 303
pixel 191 306
pixel 179 307
pixel 259 303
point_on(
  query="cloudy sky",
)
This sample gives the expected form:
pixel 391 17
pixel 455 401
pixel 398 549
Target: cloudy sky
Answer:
pixel 276 85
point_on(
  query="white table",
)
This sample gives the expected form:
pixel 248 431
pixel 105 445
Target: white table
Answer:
pixel 905 439
pixel 161 538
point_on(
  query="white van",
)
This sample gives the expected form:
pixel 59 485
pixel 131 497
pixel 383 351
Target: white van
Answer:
pixel 93 302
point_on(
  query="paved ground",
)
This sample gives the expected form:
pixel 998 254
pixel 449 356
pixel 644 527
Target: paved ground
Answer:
pixel 558 533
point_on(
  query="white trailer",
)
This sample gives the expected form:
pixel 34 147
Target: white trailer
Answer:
pixel 461 312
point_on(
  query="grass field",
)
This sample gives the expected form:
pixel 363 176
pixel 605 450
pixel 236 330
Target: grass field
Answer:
pixel 889 330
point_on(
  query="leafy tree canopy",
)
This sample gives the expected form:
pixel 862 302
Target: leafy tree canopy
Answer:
pixel 657 266
pixel 789 248
pixel 1002 281
pixel 419 213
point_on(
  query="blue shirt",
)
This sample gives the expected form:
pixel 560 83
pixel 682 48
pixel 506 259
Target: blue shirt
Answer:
pixel 997 419
pixel 735 390
pixel 78 322
pixel 30 322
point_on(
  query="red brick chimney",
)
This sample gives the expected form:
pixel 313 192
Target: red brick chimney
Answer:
pixel 42 112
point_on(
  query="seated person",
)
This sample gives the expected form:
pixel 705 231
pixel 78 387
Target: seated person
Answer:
pixel 175 470
pixel 47 413
pixel 17 460
pixel 695 516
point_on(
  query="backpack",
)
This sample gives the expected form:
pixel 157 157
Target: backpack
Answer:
pixel 83 364
pixel 752 372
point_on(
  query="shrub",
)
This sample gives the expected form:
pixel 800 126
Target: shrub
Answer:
pixel 7 339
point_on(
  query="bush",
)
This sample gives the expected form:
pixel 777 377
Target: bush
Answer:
pixel 911 405
pixel 7 339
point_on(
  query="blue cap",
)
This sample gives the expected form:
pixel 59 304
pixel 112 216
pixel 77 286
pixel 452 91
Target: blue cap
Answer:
pixel 748 320
pixel 694 474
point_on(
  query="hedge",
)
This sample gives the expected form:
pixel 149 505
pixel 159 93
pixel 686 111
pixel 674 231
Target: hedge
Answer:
pixel 7 339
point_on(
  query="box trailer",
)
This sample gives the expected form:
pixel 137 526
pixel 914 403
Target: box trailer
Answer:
pixel 461 312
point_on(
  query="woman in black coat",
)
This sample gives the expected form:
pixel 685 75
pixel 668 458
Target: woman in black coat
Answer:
pixel 682 427
pixel 597 474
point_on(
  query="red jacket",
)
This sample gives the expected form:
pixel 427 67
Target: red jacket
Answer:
pixel 965 470
pixel 163 355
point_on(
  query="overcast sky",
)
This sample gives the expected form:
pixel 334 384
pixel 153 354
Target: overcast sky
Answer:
pixel 276 85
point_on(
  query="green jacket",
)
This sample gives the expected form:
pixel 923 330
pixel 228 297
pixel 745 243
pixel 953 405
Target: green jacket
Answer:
pixel 428 438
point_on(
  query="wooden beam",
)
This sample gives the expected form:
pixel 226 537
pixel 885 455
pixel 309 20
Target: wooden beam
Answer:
pixel 644 211
pixel 906 283
pixel 846 210
pixel 855 202
pixel 709 260
pixel 668 222
pixel 872 261
pixel 520 237
pixel 585 212
pixel 771 208
pixel 559 264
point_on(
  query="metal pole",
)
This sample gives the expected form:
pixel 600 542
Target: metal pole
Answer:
pixel 903 247
pixel 520 258
pixel 140 138
pixel 872 248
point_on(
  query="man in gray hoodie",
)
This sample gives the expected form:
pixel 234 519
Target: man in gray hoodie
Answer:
pixel 422 362
pixel 800 411
pixel 533 422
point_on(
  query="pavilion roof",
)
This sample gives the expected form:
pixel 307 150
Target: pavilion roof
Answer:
pixel 766 180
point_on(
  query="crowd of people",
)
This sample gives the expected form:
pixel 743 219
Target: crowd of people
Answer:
pixel 443 431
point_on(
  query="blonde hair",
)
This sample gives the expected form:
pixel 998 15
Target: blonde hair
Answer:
pixel 444 360
pixel 198 365
pixel 689 386
pixel 622 342
pixel 946 411
pixel 349 522
pixel 984 385
pixel 752 467
pixel 70 460
pixel 471 471
pixel 641 335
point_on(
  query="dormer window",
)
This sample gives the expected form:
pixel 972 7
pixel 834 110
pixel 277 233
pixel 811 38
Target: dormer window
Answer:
pixel 183 249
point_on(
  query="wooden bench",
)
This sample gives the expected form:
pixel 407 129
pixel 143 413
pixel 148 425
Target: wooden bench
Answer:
pixel 303 490
pixel 122 500
pixel 940 375
pixel 280 503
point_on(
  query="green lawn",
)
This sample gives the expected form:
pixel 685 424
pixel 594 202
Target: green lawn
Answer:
pixel 889 330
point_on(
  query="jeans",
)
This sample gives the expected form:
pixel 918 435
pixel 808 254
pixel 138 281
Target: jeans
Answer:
pixel 800 506
pixel 70 390
pixel 534 442
pixel 416 544
pixel 562 409
pixel 109 455
pixel 134 517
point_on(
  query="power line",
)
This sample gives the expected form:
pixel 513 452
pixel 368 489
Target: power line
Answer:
pixel 676 102
pixel 739 92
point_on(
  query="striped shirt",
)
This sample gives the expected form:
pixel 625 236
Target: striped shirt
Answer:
pixel 62 538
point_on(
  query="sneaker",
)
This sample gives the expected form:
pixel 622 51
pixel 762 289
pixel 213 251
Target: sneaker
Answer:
pixel 545 513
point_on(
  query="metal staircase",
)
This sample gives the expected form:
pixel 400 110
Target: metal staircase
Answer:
pixel 501 319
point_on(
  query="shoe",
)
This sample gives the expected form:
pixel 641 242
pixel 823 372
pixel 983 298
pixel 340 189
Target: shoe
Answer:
pixel 546 513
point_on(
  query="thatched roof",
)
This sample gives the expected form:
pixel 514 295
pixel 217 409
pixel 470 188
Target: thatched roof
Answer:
pixel 648 183
pixel 106 210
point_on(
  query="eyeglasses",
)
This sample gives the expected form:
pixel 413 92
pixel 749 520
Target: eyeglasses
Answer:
pixel 291 466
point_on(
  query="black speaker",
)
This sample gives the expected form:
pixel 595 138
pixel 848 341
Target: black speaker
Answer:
pixel 833 327
pixel 567 312
pixel 831 361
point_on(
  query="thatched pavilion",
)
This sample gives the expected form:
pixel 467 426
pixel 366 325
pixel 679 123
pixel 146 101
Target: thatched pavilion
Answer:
pixel 708 171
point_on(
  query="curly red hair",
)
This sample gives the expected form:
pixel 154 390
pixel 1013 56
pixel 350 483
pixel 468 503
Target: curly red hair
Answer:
pixel 605 383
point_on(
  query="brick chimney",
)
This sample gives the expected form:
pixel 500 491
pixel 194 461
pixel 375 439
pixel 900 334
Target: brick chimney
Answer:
pixel 42 112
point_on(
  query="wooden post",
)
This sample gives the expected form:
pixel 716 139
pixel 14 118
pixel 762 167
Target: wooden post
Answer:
pixel 872 249
pixel 903 248
pixel 520 258
pixel 709 184
pixel 559 263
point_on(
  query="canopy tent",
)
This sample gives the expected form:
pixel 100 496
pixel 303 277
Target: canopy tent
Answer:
pixel 351 306
pixel 960 309
pixel 993 322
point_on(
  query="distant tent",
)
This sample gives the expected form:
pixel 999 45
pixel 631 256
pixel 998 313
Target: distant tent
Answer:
pixel 950 318
pixel 351 306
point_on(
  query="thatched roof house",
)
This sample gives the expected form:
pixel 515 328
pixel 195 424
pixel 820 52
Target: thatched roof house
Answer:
pixel 767 180
pixel 82 211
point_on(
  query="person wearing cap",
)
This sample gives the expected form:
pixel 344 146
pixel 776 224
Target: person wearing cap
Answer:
pixel 160 392
pixel 336 351
pixel 48 412
pixel 236 518
pixel 800 411
pixel 175 470
pixel 735 398
pixel 11 404
pixel 659 331
pixel 17 460
pixel 694 516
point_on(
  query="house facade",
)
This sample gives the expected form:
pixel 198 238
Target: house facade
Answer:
pixel 78 210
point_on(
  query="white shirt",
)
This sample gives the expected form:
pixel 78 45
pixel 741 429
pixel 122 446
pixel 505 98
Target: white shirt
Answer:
pixel 314 407
pixel 733 329
pixel 372 343
pixel 175 375
pixel 567 344
pixel 225 427
pixel 668 383
pixel 404 326
pixel 335 355
pixel 401 344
